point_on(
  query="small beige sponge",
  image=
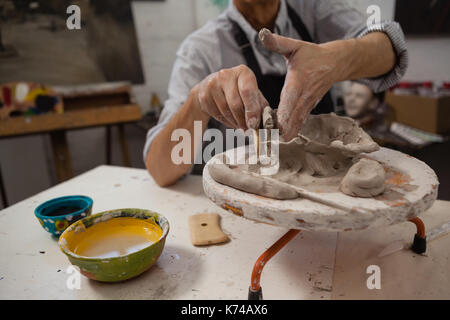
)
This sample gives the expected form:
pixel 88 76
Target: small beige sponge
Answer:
pixel 205 229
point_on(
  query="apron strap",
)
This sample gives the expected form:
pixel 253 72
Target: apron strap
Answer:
pixel 246 48
pixel 298 24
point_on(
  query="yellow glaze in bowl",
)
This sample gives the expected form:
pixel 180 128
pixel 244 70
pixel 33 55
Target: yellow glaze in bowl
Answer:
pixel 115 245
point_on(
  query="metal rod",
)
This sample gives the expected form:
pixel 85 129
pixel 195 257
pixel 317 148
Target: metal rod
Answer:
pixel 419 245
pixel 267 255
pixel 419 225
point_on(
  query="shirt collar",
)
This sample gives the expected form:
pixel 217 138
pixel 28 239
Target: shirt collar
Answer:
pixel 281 21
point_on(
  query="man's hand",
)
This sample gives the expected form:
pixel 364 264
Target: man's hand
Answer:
pixel 232 97
pixel 311 71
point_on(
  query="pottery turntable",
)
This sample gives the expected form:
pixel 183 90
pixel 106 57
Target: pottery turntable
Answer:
pixel 410 189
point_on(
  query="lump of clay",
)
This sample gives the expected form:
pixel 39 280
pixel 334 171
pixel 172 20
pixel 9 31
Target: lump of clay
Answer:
pixel 231 176
pixel 364 179
pixel 269 117
pixel 317 158
pixel 342 134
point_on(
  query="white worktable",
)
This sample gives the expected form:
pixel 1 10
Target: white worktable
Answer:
pixel 314 265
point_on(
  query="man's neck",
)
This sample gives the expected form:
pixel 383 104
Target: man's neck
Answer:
pixel 261 14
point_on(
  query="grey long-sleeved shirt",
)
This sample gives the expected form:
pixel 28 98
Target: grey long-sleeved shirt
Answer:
pixel 212 48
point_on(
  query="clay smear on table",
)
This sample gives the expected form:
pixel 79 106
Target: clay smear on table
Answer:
pixel 323 158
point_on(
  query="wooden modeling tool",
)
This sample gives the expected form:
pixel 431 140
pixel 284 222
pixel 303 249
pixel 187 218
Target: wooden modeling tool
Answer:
pixel 269 123
pixel 256 142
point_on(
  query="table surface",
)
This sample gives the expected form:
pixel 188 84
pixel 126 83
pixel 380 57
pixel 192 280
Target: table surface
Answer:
pixel 315 265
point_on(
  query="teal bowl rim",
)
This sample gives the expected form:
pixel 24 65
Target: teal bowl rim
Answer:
pixel 87 200
pixel 161 221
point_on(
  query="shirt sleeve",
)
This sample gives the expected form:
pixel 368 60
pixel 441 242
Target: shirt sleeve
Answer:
pixel 338 20
pixel 190 68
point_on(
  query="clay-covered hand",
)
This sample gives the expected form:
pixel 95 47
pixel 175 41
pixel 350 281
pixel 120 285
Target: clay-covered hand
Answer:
pixel 232 97
pixel 311 71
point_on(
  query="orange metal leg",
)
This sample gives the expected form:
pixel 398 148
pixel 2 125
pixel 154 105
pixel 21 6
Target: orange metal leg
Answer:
pixel 420 240
pixel 255 291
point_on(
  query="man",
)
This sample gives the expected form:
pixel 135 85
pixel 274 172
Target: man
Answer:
pixel 248 57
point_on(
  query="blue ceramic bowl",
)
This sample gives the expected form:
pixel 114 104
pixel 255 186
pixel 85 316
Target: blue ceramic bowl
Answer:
pixel 57 214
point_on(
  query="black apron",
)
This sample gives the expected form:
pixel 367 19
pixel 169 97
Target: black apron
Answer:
pixel 270 85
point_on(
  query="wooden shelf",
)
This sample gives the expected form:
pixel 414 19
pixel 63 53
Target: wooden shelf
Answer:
pixel 74 119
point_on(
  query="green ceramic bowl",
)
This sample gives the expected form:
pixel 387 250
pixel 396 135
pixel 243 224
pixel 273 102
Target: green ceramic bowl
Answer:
pixel 121 267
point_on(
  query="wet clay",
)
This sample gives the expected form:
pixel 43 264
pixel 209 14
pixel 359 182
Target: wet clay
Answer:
pixel 364 179
pixel 319 158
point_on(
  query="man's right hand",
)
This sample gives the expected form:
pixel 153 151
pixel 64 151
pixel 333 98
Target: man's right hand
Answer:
pixel 232 97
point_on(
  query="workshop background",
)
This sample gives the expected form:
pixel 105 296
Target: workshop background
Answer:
pixel 26 162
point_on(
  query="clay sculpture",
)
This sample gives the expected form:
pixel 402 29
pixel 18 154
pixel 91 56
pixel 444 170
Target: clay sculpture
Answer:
pixel 325 155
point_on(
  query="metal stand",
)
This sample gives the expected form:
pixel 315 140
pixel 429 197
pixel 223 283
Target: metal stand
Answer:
pixel 420 240
pixel 255 290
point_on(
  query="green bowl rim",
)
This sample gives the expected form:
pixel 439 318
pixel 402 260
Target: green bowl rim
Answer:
pixel 162 222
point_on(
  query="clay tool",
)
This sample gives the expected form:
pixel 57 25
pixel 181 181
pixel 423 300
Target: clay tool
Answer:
pixel 269 123
pixel 205 229
pixel 431 235
pixel 256 142
pixel 313 197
